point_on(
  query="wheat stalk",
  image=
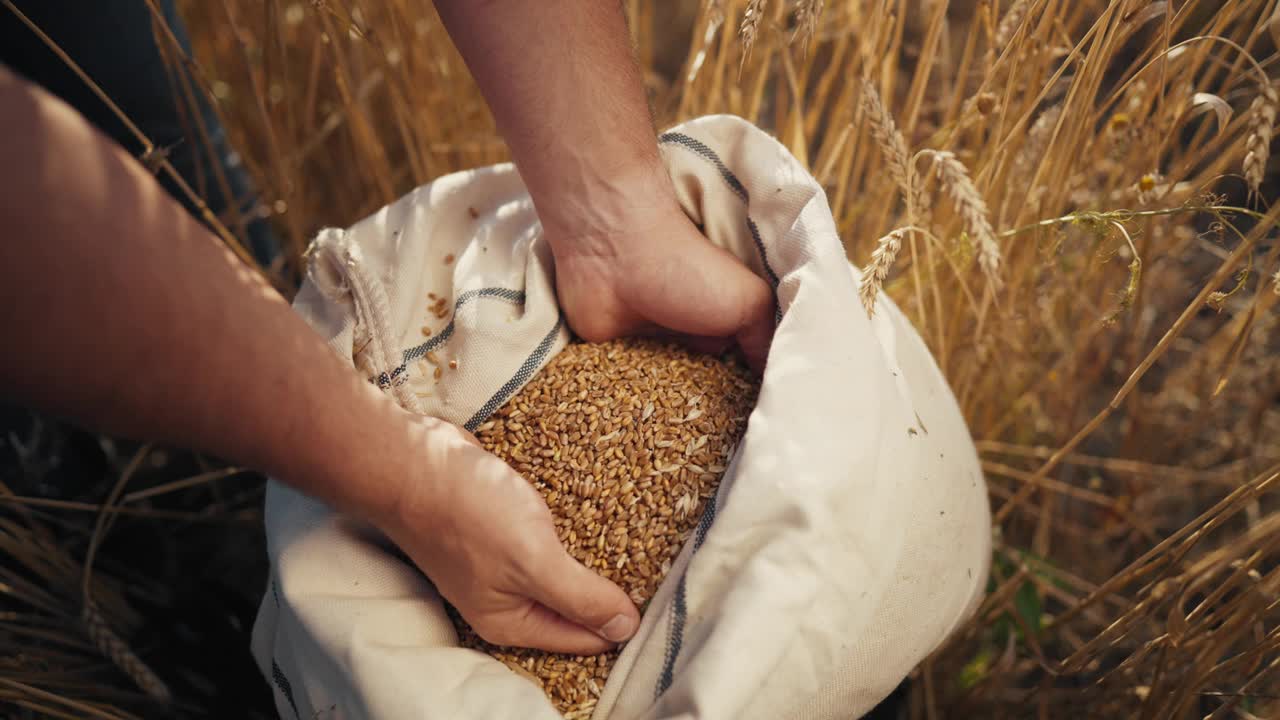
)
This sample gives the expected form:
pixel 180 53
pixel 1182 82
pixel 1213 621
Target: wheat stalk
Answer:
pixel 750 28
pixel 715 11
pixel 893 146
pixel 111 646
pixel 1034 150
pixel 807 14
pixel 1010 23
pixel 882 258
pixel 973 211
pixel 1037 140
pixel 1262 123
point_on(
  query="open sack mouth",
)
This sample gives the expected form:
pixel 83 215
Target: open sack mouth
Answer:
pixel 854 493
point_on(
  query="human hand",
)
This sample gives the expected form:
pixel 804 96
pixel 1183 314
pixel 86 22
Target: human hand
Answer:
pixel 486 539
pixel 661 275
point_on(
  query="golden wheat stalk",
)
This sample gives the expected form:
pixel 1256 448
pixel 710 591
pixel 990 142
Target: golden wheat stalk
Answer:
pixel 807 14
pixel 893 146
pixel 112 647
pixel 1037 142
pixel 875 272
pixel 1010 23
pixel 973 211
pixel 749 31
pixel 715 11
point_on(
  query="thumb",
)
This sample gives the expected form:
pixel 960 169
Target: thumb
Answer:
pixel 579 595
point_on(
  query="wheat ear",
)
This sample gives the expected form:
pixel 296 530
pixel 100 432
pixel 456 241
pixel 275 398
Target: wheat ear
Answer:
pixel 894 148
pixel 882 259
pixel 1010 23
pixel 807 14
pixel 973 211
pixel 1262 125
pixel 750 28
pixel 1037 141
pixel 112 647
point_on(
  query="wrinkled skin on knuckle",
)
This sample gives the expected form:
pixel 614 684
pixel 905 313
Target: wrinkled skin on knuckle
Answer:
pixel 495 632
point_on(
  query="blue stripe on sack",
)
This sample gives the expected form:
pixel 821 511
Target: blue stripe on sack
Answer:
pixel 526 371
pixel 516 297
pixel 675 637
pixel 679 606
pixel 706 153
pixel 285 688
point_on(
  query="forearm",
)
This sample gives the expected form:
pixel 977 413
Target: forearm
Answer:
pixel 566 91
pixel 125 314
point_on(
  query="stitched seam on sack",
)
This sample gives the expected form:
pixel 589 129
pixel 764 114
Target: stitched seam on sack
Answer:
pixel 282 683
pixel 526 371
pixel 679 607
pixel 678 616
pixel 516 297
pixel 706 153
pixel 371 299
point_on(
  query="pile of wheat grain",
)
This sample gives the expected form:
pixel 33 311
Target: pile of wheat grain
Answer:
pixel 627 442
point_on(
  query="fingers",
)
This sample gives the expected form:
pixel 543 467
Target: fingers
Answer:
pixel 582 597
pixel 539 627
pixel 745 306
pixel 708 293
pixel 755 333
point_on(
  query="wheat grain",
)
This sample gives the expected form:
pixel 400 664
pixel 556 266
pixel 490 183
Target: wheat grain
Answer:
pixel 973 211
pixel 1262 123
pixel 626 441
pixel 874 274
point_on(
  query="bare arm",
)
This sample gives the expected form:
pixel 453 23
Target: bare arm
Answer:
pixel 132 318
pixel 562 82
pixel 125 314
pixel 566 91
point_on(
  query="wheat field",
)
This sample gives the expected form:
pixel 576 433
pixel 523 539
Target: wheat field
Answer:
pixel 1072 200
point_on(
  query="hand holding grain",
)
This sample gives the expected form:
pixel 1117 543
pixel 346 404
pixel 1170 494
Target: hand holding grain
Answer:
pixel 627 259
pixel 661 276
pixel 486 539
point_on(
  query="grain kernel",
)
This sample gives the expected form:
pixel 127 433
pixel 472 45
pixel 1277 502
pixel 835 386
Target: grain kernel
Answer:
pixel 607 434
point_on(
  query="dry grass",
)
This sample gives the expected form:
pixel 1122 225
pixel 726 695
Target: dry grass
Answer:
pixel 1121 375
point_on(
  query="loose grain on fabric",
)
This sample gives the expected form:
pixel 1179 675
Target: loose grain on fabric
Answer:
pixel 627 442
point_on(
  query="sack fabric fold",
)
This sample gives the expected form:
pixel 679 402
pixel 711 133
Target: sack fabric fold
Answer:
pixel 849 538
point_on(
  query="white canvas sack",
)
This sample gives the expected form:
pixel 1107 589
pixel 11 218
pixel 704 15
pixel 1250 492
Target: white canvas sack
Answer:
pixel 850 535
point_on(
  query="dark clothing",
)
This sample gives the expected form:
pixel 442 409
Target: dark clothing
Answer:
pixel 113 42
